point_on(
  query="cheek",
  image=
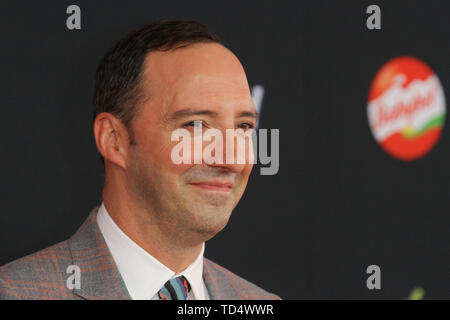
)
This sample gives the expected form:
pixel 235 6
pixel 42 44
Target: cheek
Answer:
pixel 156 147
pixel 246 172
pixel 163 156
pixel 249 167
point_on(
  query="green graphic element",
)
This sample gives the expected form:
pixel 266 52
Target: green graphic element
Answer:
pixel 416 294
pixel 410 133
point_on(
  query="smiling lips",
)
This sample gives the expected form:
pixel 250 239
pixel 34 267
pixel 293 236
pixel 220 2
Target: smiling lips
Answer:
pixel 214 186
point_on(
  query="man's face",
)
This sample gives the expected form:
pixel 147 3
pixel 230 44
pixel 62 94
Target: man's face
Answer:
pixel 202 82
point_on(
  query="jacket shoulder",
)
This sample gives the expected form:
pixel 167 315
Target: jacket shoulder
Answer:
pixel 41 275
pixel 232 285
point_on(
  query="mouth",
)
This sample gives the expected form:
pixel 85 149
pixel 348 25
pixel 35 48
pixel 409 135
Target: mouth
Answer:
pixel 215 186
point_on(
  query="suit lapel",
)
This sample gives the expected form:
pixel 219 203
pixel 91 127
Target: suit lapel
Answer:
pixel 100 278
pixel 219 287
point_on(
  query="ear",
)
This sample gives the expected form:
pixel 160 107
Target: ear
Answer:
pixel 111 138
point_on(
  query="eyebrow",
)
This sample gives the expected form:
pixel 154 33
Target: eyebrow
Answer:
pixel 195 112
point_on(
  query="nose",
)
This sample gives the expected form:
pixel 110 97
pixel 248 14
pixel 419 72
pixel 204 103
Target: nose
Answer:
pixel 236 149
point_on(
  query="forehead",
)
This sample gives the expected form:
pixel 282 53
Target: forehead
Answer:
pixel 200 74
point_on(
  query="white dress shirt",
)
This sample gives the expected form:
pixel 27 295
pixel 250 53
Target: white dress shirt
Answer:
pixel 143 274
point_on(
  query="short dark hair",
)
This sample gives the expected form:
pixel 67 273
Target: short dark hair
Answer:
pixel 118 75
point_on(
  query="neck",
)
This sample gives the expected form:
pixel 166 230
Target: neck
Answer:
pixel 137 223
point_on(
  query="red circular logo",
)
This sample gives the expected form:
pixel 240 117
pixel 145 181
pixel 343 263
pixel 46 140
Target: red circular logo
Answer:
pixel 406 108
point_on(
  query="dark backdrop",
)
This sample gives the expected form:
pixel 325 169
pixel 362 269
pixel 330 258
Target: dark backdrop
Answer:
pixel 338 203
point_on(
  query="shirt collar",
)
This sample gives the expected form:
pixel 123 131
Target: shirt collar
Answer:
pixel 194 274
pixel 143 274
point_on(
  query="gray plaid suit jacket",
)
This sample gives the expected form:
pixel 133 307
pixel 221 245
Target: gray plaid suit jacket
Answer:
pixel 43 275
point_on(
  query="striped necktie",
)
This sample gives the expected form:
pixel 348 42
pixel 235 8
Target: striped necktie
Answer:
pixel 175 289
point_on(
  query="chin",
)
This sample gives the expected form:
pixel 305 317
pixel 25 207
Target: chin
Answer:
pixel 211 222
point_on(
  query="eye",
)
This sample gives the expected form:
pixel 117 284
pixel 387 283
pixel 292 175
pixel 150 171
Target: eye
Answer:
pixel 195 124
pixel 246 126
